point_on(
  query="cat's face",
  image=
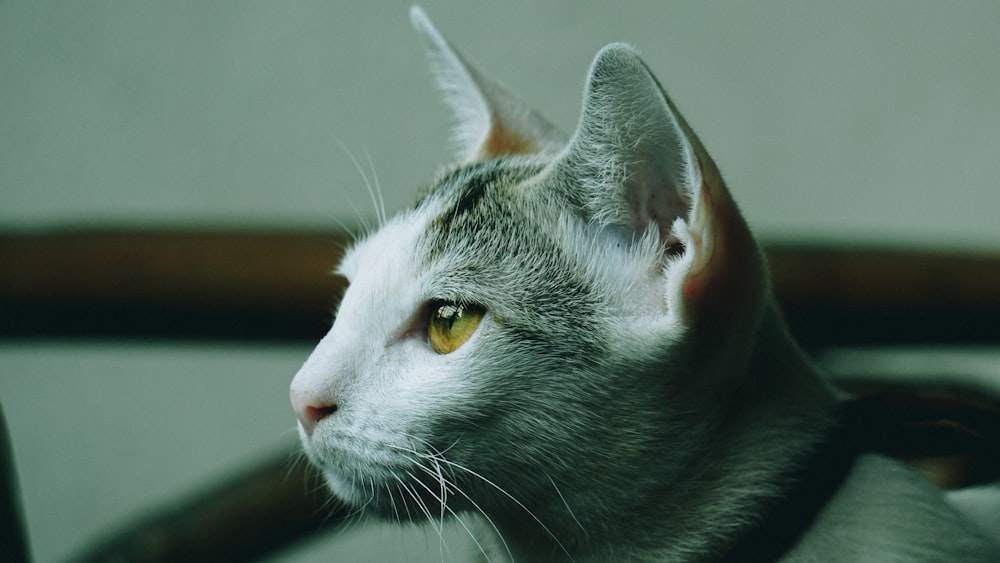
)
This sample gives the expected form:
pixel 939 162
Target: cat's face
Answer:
pixel 493 323
pixel 529 331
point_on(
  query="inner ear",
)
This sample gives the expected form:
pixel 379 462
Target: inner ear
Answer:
pixel 634 162
pixel 491 122
pixel 500 140
pixel 660 184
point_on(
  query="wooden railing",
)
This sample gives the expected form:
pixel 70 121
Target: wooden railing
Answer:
pixel 278 285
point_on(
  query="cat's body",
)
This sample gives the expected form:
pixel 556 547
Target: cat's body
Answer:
pixel 571 348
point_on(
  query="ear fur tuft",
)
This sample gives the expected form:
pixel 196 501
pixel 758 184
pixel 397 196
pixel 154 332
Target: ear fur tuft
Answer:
pixel 491 122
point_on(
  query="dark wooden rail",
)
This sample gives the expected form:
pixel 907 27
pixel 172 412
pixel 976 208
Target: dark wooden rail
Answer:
pixel 168 284
pixel 278 285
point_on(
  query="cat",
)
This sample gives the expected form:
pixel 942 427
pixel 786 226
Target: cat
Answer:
pixel 569 345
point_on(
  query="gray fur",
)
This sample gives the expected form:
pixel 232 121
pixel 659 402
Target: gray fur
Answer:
pixel 632 393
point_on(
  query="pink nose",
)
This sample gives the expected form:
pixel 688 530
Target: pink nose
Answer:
pixel 310 409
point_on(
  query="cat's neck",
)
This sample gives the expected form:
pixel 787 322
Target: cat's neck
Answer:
pixel 783 410
pixel 781 414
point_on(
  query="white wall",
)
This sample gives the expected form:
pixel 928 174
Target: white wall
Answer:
pixel 845 121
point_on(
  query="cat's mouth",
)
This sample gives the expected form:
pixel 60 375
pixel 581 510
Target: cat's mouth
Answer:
pixel 401 482
pixel 399 492
pixel 378 477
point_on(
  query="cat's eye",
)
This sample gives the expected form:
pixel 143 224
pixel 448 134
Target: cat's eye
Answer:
pixel 451 324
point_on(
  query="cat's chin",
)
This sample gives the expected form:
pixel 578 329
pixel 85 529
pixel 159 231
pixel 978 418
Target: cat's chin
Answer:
pixel 382 483
pixel 344 489
pixel 398 500
pixel 360 491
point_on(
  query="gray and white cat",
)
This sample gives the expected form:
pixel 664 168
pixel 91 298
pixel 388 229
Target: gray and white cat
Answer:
pixel 570 346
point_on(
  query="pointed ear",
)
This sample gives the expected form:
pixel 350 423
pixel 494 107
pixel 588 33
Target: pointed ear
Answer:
pixel 643 171
pixel 491 121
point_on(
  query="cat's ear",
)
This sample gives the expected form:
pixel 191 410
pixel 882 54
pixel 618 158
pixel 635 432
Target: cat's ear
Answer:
pixel 640 167
pixel 491 121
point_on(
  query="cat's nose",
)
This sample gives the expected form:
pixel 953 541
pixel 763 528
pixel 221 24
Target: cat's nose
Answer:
pixel 309 408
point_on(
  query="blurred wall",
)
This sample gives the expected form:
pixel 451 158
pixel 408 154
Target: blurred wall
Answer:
pixel 847 121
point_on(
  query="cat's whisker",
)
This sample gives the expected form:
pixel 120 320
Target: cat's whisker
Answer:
pixel 475 539
pixel 434 450
pixel 425 509
pixel 352 234
pixel 406 506
pixel 382 215
pixel 315 485
pixel 482 512
pixel 517 502
pixel 350 520
pixel 373 193
pixel 418 501
pixel 444 507
pixel 297 460
pixel 438 459
pixel 440 523
pixel 371 495
pixel 421 505
pixel 363 222
pixel 566 504
pixel 444 488
pixel 358 511
pixel 392 502
pixel 420 441
pixel 354 516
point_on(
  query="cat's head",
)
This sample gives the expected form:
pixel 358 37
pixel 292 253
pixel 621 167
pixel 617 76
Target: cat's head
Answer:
pixel 546 320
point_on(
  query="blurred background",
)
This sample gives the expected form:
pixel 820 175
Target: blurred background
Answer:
pixel 848 125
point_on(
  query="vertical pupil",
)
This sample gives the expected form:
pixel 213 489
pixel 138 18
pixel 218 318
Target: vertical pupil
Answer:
pixel 451 324
pixel 450 314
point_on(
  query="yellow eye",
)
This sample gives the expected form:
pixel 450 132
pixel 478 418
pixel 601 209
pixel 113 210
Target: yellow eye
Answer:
pixel 451 324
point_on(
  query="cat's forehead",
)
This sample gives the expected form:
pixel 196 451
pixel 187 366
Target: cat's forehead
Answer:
pixel 463 202
pixel 472 201
pixel 480 232
pixel 463 188
pixel 380 248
